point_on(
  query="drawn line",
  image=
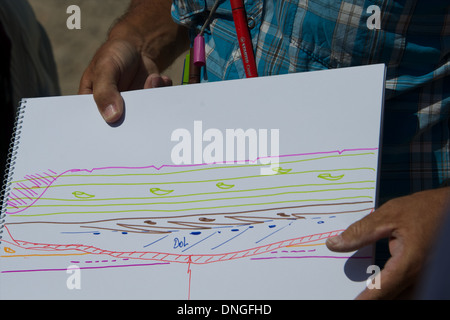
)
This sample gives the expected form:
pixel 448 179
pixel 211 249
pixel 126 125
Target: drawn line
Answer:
pixel 231 238
pixel 30 179
pixel 209 193
pixel 199 241
pixel 158 168
pixel 98 267
pixel 204 164
pixel 198 201
pixel 194 209
pixel 302 257
pixel 27 189
pixel 273 233
pixel 172 257
pixel 195 181
pixel 44 255
pixel 155 241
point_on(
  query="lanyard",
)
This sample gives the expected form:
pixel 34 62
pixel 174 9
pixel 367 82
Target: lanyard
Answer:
pixel 243 36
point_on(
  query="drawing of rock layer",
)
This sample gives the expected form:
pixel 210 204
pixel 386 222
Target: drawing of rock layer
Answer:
pixel 195 213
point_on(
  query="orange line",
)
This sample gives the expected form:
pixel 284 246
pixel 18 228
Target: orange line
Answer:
pixel 306 245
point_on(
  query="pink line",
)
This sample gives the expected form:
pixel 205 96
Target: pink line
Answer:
pixel 224 162
pixel 326 257
pixel 11 204
pixel 35 179
pixel 30 179
pixel 49 175
pixel 16 198
pixel 13 199
pixel 45 180
pixel 26 188
pixel 23 194
pixel 100 267
pixel 33 192
pixel 184 166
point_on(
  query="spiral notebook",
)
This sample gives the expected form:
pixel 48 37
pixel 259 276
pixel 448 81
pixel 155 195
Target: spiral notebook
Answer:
pixel 208 191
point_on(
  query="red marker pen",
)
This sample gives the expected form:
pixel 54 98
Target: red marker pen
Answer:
pixel 244 38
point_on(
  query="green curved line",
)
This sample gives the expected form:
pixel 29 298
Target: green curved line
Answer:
pixel 161 191
pixel 82 195
pixel 329 177
pixel 280 170
pixel 222 185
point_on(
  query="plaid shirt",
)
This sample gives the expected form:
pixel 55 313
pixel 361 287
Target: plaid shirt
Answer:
pixel 304 35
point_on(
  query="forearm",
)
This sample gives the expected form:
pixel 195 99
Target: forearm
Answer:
pixel 148 25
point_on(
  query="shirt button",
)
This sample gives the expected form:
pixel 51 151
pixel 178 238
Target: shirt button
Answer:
pixel 251 23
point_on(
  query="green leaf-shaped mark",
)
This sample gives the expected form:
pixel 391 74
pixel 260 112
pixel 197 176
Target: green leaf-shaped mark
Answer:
pixel 328 176
pixel 281 170
pixel 160 192
pixel 82 195
pixel 222 185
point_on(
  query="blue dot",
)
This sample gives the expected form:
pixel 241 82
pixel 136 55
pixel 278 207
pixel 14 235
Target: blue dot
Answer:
pixel 320 222
pixel 96 233
pixel 272 226
pixel 196 233
pixel 234 229
pixel 123 232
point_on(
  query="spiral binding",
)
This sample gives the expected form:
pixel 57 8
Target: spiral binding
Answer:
pixel 10 163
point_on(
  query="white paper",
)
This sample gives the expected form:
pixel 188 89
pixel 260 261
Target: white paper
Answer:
pixel 101 212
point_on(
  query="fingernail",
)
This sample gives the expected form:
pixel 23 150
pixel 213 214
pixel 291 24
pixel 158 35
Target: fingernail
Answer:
pixel 110 113
pixel 334 241
pixel 156 82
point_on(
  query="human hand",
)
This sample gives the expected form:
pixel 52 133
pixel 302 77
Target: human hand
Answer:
pixel 143 41
pixel 118 66
pixel 410 223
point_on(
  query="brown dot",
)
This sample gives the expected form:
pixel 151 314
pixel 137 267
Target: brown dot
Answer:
pixel 282 214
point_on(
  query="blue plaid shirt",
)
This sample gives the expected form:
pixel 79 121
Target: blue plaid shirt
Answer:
pixel 304 35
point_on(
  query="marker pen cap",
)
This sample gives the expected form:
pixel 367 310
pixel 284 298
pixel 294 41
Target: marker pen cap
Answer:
pixel 199 51
pixel 237 4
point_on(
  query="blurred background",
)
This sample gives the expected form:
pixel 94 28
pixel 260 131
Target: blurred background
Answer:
pixel 74 49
